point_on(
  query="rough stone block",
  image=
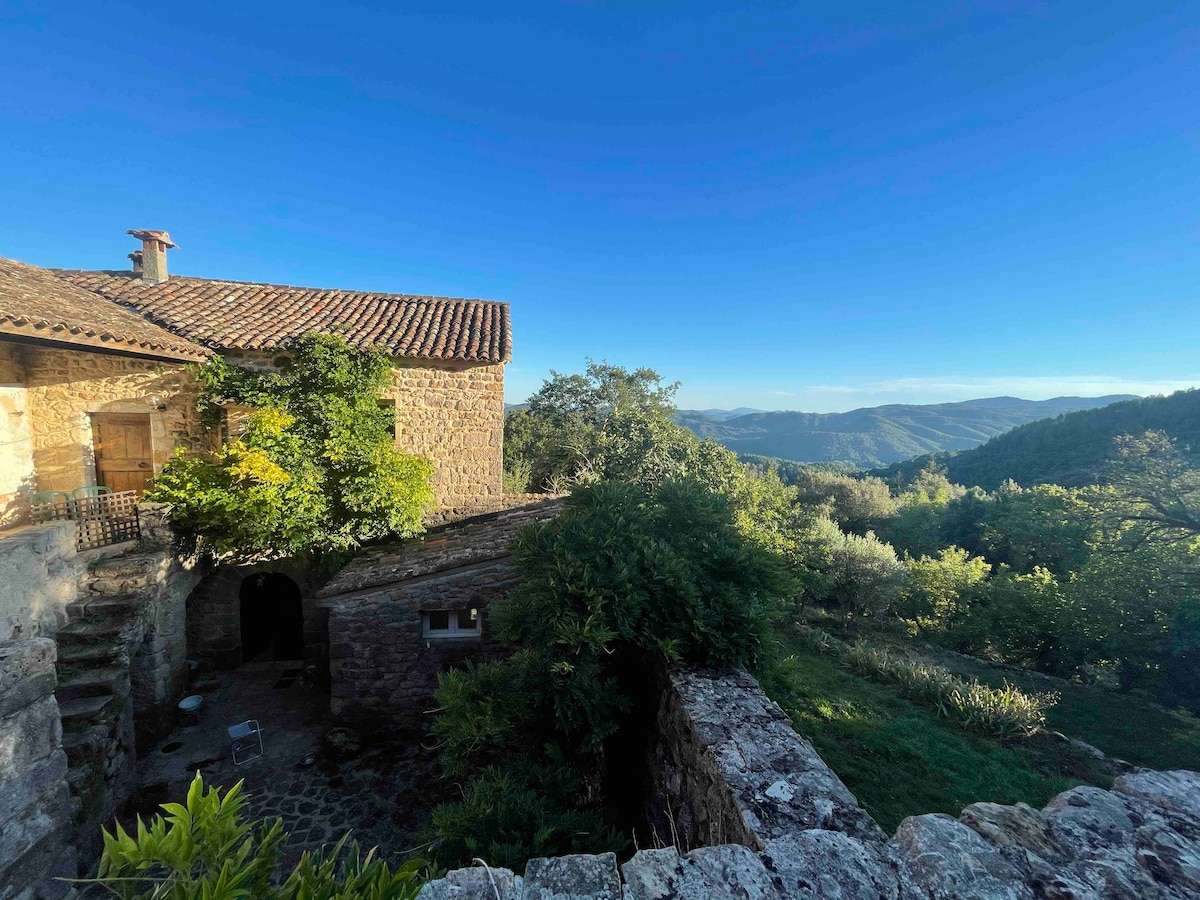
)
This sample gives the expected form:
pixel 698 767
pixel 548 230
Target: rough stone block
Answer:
pixel 943 859
pixel 573 878
pixel 477 883
pixel 26 673
pixel 831 866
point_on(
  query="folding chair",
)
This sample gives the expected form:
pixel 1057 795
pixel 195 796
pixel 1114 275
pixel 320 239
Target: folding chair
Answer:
pixel 247 741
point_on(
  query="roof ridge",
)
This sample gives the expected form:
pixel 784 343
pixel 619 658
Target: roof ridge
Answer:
pixel 119 273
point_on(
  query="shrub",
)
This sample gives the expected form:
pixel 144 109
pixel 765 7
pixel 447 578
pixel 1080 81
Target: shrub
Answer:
pixel 204 850
pixel 513 813
pixel 625 572
pixel 1003 712
pixel 315 471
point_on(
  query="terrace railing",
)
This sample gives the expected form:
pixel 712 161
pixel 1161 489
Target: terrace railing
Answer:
pixel 99 521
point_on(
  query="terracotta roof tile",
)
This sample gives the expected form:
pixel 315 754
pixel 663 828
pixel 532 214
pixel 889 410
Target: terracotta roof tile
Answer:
pixel 36 304
pixel 246 316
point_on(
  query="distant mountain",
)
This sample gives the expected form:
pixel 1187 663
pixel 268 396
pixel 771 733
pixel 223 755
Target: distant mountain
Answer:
pixel 723 413
pixel 1069 449
pixel 880 435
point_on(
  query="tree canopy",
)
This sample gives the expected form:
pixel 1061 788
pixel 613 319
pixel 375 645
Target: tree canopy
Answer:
pixel 314 470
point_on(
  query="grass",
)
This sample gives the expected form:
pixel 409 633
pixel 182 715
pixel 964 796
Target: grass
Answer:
pixel 1126 726
pixel 900 759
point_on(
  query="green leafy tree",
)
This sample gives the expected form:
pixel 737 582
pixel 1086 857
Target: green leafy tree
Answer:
pixel 1156 490
pixel 556 436
pixel 205 849
pixel 1047 525
pixel 858 505
pixel 863 575
pixel 315 470
pixel 1025 619
pixel 938 588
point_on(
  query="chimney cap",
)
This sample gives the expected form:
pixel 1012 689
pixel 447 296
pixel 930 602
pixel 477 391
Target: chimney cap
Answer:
pixel 150 234
pixel 136 254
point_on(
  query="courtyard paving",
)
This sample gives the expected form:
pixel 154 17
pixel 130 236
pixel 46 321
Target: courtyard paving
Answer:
pixel 382 791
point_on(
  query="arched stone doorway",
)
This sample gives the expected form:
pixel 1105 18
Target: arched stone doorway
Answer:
pixel 272 617
pixel 238 613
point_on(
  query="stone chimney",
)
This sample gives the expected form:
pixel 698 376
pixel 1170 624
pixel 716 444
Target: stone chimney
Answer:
pixel 153 266
pixel 136 258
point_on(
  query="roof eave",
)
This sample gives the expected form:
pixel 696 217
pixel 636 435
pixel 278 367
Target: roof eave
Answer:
pixel 94 344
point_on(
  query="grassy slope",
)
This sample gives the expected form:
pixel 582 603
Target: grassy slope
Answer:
pixel 1122 725
pixel 897 758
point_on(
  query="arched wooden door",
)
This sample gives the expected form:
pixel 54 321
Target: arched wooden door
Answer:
pixel 124 456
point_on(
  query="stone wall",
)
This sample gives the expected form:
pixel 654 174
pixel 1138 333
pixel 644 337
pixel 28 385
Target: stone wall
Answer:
pixel 39 576
pixel 736 771
pixel 65 386
pixel 214 613
pixel 383 672
pixel 37 806
pixel 16 446
pixel 452 413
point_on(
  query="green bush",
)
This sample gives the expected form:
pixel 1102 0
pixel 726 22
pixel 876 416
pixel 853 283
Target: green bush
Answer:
pixel 624 573
pixel 315 471
pixel 203 849
pixel 523 809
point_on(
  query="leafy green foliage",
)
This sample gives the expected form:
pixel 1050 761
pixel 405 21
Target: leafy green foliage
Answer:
pixel 625 572
pixel 526 808
pixel 203 849
pixel 858 505
pixel 315 470
pixel 939 588
pixel 863 577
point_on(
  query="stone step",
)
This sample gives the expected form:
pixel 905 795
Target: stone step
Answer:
pixel 87 745
pixel 85 711
pixel 90 629
pixel 94 682
pixel 105 605
pixel 123 574
pixel 91 652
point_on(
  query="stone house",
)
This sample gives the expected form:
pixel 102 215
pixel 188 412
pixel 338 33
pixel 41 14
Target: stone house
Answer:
pixel 93 356
pixel 96 389
pixel 448 354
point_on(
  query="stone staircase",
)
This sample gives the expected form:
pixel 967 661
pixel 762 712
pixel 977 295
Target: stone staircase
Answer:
pixel 95 649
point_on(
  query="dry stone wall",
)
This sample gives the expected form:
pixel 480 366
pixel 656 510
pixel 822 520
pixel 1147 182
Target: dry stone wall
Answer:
pixel 736 772
pixel 37 806
pixel 16 446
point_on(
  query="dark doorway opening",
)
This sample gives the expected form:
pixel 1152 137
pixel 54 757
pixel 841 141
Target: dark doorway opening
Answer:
pixel 272 617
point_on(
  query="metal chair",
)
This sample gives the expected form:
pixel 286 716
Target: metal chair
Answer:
pixel 247 741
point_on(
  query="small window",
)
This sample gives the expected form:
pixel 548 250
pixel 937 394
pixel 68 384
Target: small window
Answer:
pixel 451 623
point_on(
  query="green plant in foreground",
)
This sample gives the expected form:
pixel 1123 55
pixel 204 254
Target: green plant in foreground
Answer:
pixel 203 849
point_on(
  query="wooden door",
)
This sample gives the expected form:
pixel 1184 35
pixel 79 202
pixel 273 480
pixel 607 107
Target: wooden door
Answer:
pixel 124 457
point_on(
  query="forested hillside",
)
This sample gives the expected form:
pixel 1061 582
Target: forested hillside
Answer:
pixel 879 435
pixel 1069 449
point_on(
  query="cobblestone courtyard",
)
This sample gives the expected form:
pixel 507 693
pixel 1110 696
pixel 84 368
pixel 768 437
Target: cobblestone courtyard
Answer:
pixel 382 791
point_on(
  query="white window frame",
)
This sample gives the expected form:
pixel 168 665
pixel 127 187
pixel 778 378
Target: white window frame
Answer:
pixel 454 631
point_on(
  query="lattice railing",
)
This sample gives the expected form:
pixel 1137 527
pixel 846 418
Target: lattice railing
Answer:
pixel 100 521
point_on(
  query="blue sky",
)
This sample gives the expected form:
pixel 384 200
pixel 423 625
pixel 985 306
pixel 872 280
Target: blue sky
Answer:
pixel 784 206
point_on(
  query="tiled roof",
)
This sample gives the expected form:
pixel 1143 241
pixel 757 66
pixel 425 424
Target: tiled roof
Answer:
pixel 35 304
pixel 242 315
